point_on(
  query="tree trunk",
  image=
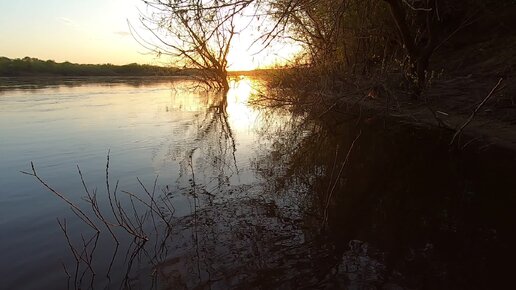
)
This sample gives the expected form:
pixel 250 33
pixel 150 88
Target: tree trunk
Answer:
pixel 224 83
pixel 419 53
pixel 421 66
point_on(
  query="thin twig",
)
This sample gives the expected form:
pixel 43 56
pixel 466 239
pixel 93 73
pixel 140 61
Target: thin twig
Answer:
pixel 75 208
pixel 459 131
pixel 325 219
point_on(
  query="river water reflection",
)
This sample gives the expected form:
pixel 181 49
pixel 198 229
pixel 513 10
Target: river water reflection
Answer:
pixel 241 196
pixel 150 128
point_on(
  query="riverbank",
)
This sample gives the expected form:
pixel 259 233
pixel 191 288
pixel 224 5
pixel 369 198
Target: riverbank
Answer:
pixel 480 119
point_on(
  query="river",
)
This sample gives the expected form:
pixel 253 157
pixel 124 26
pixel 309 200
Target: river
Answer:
pixel 214 192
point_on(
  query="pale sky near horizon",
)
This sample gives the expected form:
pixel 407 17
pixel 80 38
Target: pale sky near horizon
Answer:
pixel 87 31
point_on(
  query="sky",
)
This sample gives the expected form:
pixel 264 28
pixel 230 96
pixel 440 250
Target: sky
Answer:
pixel 91 31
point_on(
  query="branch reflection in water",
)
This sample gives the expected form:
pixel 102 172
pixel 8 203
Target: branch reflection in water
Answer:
pixel 265 234
pixel 146 231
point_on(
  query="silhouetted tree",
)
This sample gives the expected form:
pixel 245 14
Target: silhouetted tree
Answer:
pixel 197 33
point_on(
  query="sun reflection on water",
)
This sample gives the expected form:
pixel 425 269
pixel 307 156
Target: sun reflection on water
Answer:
pixel 240 114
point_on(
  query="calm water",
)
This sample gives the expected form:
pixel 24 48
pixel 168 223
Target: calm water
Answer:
pixel 245 196
pixel 150 129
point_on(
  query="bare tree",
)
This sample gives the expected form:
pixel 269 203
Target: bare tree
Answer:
pixel 196 33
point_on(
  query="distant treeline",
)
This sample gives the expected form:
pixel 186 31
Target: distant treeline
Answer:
pixel 28 66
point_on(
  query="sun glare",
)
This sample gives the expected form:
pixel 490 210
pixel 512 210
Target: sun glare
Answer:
pixel 243 57
pixel 240 114
pixel 239 59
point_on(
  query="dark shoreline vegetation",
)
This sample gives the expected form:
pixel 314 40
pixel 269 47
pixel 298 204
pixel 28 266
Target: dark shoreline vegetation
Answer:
pixel 33 67
pixel 368 71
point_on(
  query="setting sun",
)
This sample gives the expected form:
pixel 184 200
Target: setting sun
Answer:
pixel 246 55
pixel 239 59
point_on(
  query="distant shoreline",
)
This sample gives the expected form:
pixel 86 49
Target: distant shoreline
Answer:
pixel 92 77
pixel 28 67
pixel 33 67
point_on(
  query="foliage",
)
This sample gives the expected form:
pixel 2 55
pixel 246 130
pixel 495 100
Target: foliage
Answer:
pixel 371 37
pixel 28 66
pixel 336 33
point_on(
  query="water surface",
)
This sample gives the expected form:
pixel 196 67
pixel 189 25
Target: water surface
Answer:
pixel 249 196
pixel 149 128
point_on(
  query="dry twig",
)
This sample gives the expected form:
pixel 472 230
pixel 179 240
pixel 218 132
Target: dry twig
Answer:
pixel 472 116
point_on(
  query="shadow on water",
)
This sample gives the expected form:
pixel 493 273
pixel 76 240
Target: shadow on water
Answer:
pixel 404 212
pixel 394 210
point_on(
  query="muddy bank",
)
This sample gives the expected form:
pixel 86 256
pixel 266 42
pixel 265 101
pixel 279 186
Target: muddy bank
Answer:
pixel 486 116
pixel 489 125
